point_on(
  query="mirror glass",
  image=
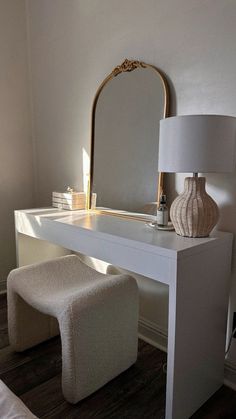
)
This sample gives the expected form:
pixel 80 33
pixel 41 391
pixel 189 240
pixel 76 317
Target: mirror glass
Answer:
pixel 125 148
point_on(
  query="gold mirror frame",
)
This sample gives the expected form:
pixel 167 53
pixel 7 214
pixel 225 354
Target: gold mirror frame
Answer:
pixel 126 66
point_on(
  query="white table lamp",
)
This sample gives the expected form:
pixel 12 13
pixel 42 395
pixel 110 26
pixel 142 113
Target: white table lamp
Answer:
pixel 196 143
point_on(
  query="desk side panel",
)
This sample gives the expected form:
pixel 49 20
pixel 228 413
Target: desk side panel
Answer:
pixel 197 332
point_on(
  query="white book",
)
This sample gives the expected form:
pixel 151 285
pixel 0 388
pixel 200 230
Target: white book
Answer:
pixel 69 195
pixel 68 206
pixel 69 201
pixel 72 205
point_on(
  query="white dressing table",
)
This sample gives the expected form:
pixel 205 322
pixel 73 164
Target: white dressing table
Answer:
pixel 197 273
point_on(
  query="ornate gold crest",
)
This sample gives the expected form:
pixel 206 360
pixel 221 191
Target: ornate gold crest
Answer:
pixel 127 65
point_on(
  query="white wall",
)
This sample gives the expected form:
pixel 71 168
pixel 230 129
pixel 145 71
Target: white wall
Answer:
pixel 75 43
pixel 16 183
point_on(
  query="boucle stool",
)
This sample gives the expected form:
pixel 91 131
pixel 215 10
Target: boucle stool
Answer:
pixel 97 316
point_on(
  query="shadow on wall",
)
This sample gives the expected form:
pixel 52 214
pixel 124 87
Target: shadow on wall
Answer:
pixel 170 188
pixel 222 187
pixel 173 99
pixel 169 178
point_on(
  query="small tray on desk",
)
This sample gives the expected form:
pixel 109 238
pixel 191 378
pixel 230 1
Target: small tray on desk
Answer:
pixel 155 226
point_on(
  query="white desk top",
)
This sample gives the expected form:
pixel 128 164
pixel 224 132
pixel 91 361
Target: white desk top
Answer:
pixel 127 232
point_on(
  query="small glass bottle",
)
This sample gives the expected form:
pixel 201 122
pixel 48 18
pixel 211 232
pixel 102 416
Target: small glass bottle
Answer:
pixel 162 212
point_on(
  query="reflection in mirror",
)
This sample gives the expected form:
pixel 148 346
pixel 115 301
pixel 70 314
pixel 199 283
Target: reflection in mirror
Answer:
pixel 125 144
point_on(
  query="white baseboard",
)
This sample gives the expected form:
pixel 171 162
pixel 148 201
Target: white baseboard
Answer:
pixel 153 334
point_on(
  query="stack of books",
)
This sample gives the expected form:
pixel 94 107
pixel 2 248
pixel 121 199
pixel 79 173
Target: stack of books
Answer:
pixel 71 200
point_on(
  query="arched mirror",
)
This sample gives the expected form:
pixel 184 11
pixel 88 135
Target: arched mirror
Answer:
pixel 124 146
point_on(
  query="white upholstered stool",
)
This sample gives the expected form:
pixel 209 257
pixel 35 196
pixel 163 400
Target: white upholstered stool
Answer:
pixel 97 316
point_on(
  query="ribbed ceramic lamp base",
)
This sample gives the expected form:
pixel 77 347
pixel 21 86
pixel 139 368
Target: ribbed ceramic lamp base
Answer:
pixel 194 213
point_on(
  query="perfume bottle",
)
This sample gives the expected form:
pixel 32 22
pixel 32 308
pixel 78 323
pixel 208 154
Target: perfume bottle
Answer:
pixel 162 212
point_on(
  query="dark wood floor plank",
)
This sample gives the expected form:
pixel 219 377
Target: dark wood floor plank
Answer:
pixel 3 322
pixel 3 299
pixel 9 360
pixel 45 397
pixel 222 405
pixel 3 317
pixel 34 372
pixel 4 337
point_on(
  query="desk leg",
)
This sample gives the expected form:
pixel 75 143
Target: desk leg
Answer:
pixel 198 303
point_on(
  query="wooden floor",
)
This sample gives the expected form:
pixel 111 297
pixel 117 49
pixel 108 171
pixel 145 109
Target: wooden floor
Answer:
pixel 35 376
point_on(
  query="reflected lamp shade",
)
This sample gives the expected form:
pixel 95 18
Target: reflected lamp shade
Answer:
pixel 196 143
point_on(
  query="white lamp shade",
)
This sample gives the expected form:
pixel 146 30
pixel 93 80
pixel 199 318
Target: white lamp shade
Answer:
pixel 197 143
